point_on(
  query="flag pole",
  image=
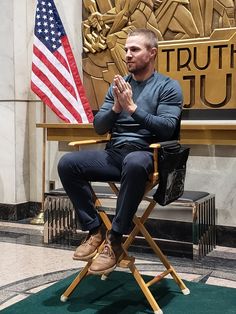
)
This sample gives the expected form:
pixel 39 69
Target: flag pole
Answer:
pixel 44 157
pixel 39 219
pixel 55 76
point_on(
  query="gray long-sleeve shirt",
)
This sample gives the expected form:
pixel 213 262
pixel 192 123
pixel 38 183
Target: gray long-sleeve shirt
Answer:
pixel 159 105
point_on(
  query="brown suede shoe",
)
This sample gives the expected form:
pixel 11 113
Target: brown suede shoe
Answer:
pixel 107 260
pixel 89 247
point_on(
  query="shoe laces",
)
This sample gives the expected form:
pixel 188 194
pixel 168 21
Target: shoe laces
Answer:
pixel 107 250
pixel 88 240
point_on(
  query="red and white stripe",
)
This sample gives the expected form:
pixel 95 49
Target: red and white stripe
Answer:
pixel 55 79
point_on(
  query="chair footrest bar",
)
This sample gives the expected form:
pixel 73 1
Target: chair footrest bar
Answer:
pixel 158 277
pixel 126 262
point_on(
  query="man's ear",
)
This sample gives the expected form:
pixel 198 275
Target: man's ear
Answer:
pixel 154 52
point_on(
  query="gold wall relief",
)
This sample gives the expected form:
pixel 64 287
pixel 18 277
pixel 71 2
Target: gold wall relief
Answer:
pixel 205 68
pixel 197 46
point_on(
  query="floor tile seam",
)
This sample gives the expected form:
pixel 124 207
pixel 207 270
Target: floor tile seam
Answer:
pixel 223 269
pixel 218 259
pixel 213 269
pixel 25 290
pixel 43 276
pixel 9 298
pixel 215 265
pixel 15 295
pixel 44 245
pixel 180 265
pixel 223 277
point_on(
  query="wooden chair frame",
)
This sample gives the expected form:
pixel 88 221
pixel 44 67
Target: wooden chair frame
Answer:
pixel 128 261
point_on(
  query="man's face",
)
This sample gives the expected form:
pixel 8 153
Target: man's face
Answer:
pixel 138 55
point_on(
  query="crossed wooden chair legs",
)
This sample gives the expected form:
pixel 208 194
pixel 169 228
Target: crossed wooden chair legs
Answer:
pixel 129 261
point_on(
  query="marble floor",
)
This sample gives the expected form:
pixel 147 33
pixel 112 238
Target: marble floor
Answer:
pixel 28 265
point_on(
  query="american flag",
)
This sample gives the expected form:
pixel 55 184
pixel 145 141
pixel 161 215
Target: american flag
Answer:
pixel 55 77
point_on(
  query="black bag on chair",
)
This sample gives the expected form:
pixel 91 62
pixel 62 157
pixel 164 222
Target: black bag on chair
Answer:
pixel 172 161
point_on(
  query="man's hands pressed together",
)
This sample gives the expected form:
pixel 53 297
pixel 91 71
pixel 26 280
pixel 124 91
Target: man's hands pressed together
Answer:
pixel 122 96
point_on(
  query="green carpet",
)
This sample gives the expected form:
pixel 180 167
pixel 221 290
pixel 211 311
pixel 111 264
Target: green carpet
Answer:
pixel 119 294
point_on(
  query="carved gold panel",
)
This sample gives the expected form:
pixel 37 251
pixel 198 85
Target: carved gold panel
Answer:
pixel 197 46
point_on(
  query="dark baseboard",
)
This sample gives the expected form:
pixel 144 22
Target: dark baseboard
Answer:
pixel 225 236
pixel 20 211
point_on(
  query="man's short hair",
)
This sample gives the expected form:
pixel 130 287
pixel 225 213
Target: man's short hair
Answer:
pixel 152 40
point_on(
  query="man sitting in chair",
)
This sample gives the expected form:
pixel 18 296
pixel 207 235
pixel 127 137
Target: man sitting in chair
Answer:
pixel 139 109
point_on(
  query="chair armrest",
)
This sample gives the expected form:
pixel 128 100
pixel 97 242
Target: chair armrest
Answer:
pixel 161 144
pixel 155 147
pixel 88 142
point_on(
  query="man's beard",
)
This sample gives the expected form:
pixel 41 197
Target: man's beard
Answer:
pixel 137 70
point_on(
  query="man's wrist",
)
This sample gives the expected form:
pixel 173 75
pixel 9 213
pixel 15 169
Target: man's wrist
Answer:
pixel 115 109
pixel 132 109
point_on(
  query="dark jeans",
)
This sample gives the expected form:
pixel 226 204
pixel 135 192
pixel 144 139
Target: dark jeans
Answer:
pixel 130 168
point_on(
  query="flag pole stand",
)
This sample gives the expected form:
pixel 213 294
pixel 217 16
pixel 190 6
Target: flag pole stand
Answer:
pixel 39 219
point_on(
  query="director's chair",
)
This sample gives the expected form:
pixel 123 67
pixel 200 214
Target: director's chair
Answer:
pixel 128 261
